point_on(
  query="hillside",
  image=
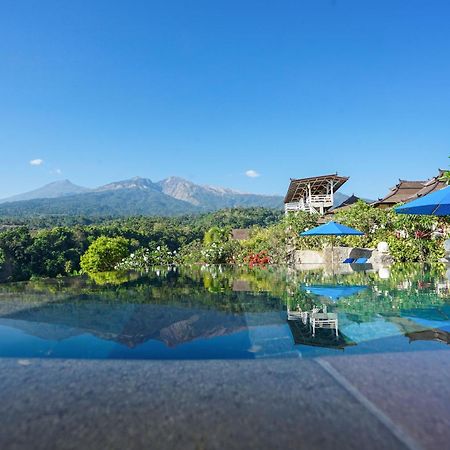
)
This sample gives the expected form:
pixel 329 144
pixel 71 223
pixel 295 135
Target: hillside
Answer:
pixel 118 202
pixel 210 198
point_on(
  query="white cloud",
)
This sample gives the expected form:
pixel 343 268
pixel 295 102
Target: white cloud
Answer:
pixel 36 162
pixel 58 171
pixel 252 173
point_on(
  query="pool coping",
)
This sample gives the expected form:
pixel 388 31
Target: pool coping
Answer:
pixel 327 402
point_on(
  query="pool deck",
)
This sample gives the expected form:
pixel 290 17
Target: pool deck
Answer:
pixel 389 401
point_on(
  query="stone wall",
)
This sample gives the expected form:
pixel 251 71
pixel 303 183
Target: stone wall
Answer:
pixel 339 254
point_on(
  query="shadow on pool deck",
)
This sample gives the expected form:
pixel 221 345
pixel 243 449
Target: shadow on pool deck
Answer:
pixel 371 402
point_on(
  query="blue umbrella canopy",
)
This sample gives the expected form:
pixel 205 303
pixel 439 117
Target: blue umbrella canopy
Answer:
pixel 332 229
pixel 334 292
pixel 434 204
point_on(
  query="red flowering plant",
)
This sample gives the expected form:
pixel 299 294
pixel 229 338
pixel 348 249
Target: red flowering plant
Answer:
pixel 260 259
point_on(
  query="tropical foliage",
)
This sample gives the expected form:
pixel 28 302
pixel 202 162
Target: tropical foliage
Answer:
pixel 143 259
pixel 410 238
pixel 104 254
pixel 138 243
pixel 49 246
pixel 446 176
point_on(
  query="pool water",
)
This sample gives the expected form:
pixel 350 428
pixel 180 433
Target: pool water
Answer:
pixel 227 313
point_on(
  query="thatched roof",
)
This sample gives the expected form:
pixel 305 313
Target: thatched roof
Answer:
pixel 400 193
pixel 298 187
pixel 240 234
pixel 346 204
pixel 432 185
pixel 406 191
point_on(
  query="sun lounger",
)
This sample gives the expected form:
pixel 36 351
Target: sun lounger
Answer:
pixel 361 261
pixel 324 320
pixel 297 315
pixel 348 261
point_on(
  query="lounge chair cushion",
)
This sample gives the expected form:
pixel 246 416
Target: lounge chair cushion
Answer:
pixel 361 261
pixel 348 260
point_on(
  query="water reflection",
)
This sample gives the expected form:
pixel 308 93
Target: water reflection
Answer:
pixel 334 292
pixel 223 312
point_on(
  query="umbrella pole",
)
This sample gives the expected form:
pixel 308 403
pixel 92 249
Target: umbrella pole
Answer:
pixel 332 253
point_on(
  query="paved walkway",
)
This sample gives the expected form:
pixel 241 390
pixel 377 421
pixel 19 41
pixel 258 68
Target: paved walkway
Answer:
pixel 393 401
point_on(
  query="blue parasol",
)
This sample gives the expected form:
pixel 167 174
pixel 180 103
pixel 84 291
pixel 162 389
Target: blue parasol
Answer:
pixel 332 229
pixel 434 204
pixel 334 292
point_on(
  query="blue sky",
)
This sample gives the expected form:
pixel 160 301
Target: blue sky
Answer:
pixel 208 90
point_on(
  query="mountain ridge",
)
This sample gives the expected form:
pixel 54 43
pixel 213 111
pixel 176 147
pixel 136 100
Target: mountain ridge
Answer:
pixel 135 196
pixel 139 183
pixel 54 189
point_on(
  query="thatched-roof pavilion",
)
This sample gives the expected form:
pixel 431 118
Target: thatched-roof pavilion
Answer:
pixel 312 194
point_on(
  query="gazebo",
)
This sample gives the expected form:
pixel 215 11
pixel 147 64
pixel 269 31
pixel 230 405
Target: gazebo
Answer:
pixel 313 194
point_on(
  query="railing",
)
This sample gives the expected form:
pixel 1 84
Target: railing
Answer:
pixel 294 206
pixel 321 199
pixel 313 204
pixel 300 206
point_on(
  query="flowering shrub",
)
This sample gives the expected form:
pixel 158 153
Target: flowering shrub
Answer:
pixel 218 248
pixel 191 253
pixel 214 254
pixel 145 258
pixel 260 259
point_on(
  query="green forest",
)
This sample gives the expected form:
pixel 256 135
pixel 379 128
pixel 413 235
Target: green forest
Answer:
pixel 51 246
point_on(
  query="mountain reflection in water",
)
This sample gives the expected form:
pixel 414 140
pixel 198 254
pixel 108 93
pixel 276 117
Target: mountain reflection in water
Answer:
pixel 224 312
pixel 126 324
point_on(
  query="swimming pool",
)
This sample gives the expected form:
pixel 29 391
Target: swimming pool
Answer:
pixel 220 312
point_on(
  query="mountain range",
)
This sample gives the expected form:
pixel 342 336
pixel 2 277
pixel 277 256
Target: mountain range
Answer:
pixel 136 196
pixel 51 190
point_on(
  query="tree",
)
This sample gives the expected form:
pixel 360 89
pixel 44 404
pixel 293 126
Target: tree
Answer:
pixel 2 257
pixel 14 244
pixel 375 223
pixel 446 176
pixel 217 235
pixel 104 253
pixel 54 252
